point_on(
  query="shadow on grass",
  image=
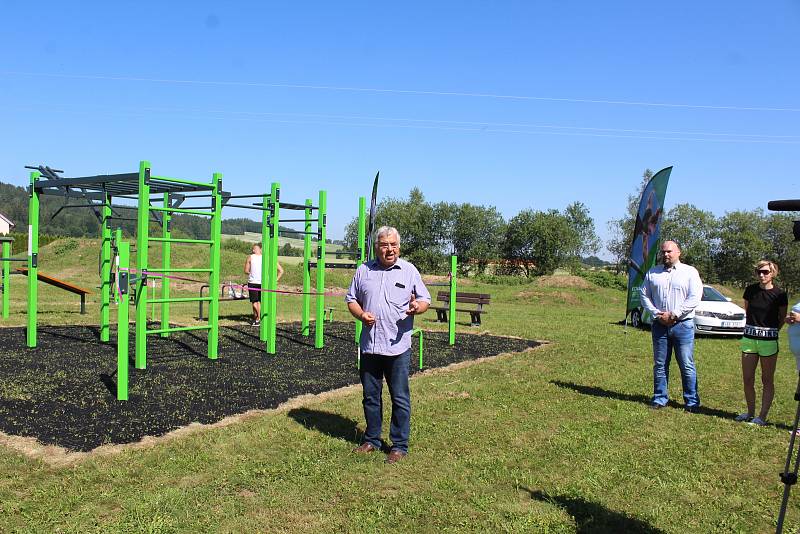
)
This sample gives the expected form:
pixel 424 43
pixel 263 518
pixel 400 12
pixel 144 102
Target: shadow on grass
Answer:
pixel 328 423
pixel 642 399
pixel 591 517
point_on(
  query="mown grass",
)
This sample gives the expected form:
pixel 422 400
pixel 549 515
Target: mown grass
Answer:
pixel 554 440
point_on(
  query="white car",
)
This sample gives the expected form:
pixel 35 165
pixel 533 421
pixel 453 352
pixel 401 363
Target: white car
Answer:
pixel 715 314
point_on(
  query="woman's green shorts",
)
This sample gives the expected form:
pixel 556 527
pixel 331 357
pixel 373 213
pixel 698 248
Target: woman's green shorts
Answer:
pixel 762 347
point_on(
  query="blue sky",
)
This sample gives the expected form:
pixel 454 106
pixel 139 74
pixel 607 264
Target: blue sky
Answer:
pixel 510 104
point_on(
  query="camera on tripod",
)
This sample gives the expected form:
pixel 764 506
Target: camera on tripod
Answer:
pixel 789 474
pixel 787 205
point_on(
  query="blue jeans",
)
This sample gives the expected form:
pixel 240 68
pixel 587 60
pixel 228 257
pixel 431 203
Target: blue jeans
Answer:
pixel 395 368
pixel 680 338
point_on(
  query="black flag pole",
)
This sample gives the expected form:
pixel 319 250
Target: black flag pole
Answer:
pixel 370 230
pixel 372 209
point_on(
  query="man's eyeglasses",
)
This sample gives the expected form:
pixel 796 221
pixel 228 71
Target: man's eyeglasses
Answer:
pixel 388 245
pixel 765 272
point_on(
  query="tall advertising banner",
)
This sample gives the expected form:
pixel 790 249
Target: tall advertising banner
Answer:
pixel 646 231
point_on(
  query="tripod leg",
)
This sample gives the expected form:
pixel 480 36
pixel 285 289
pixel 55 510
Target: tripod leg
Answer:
pixel 790 479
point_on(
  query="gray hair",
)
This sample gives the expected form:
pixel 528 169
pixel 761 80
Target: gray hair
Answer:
pixel 386 230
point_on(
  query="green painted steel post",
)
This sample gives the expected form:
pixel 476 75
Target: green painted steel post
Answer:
pixel 216 231
pixel 123 325
pixel 166 253
pixel 6 278
pixel 266 232
pixel 272 265
pixel 362 240
pixel 421 346
pixel 142 238
pixel 306 328
pixel 319 324
pixel 105 271
pixel 452 321
pixel 33 260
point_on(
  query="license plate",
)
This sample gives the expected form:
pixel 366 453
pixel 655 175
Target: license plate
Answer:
pixel 729 324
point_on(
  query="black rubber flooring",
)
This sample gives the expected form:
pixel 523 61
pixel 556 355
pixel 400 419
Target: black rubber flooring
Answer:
pixel 63 392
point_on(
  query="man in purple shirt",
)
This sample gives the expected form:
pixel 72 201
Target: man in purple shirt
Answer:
pixel 385 294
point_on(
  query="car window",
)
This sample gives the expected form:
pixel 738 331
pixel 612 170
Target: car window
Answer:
pixel 709 293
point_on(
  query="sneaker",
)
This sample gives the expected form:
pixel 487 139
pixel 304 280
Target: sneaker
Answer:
pixel 255 323
pixel 743 417
pixel 758 421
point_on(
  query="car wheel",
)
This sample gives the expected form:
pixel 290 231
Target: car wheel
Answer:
pixel 636 319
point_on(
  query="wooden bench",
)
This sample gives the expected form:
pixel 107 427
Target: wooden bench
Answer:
pixel 61 284
pixel 479 299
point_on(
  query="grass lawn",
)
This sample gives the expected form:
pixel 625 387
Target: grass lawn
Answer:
pixel 555 440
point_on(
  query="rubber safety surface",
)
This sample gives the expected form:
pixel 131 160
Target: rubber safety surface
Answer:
pixel 63 392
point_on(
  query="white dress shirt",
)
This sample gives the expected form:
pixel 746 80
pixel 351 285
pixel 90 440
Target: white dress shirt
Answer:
pixel 677 289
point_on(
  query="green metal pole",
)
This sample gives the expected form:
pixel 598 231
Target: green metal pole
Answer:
pixel 421 346
pixel 362 240
pixel 105 271
pixel 166 253
pixel 33 260
pixel 142 236
pixel 6 278
pixel 452 318
pixel 123 326
pixel 272 326
pixel 322 215
pixel 266 239
pixel 213 282
pixel 306 328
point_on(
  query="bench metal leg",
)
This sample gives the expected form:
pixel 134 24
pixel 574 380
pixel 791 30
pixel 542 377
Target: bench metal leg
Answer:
pixel 475 319
pixel 441 316
pixel 83 304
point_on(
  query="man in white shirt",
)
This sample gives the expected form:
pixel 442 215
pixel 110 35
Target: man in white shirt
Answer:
pixel 671 292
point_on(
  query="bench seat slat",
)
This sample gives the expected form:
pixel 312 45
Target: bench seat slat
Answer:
pixel 459 310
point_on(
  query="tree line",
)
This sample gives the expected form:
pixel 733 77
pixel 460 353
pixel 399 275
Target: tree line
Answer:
pixel 724 249
pixel 531 243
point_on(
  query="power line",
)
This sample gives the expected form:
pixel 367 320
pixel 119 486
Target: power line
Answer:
pixel 403 91
pixel 448 125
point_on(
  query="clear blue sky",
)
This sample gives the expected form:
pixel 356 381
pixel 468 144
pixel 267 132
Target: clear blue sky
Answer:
pixel 511 104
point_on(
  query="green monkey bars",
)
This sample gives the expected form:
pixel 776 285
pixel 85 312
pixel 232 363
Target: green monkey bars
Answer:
pixel 157 198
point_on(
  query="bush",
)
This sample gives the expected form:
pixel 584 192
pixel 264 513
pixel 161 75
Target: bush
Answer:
pixel 605 279
pixel 237 245
pixel 64 246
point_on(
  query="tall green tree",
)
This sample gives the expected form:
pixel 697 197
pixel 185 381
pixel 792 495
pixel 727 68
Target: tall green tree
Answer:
pixel 742 242
pixel 538 242
pixel 477 236
pixel 697 233
pixel 577 214
pixel 784 250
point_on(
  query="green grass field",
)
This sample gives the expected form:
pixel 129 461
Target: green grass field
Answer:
pixel 558 439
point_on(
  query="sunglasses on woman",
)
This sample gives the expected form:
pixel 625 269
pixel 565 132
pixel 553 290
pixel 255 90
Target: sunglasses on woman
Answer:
pixel 765 272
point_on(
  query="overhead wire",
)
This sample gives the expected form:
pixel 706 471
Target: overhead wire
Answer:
pixel 448 125
pixel 404 91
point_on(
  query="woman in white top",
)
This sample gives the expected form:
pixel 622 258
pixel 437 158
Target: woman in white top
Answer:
pixel 252 268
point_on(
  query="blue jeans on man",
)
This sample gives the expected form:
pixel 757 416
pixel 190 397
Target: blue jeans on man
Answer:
pixel 374 367
pixel 680 339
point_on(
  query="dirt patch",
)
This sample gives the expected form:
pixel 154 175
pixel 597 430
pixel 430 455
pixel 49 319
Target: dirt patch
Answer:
pixel 550 296
pixel 565 280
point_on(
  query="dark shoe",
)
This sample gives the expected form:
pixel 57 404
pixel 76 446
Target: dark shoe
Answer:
pixel 395 456
pixel 365 447
pixel 655 406
pixel 255 323
pixel 692 409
